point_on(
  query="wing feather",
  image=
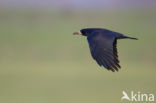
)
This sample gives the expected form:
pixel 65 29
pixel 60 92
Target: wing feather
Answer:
pixel 104 50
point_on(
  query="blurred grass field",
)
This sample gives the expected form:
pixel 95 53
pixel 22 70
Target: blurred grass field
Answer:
pixel 42 62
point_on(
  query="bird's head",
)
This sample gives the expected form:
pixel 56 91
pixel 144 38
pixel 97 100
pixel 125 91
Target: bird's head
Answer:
pixel 85 32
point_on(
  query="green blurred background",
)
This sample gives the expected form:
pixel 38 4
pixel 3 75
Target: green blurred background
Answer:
pixel 42 62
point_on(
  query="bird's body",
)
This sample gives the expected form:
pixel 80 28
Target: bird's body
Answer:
pixel 102 43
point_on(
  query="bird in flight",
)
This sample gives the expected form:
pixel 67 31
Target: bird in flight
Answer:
pixel 102 44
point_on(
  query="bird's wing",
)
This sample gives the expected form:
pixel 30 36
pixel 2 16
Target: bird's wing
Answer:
pixel 104 51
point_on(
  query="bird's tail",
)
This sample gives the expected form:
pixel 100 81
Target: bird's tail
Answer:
pixel 129 37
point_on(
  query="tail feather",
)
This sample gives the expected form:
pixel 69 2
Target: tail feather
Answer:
pixel 130 37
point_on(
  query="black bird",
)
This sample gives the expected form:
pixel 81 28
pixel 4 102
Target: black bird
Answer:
pixel 102 43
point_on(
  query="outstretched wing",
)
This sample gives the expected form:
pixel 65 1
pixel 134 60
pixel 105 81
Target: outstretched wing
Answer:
pixel 103 50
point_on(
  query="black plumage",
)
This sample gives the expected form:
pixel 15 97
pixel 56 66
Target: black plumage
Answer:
pixel 103 46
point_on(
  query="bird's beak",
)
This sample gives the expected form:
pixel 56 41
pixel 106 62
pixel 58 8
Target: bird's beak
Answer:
pixel 77 33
